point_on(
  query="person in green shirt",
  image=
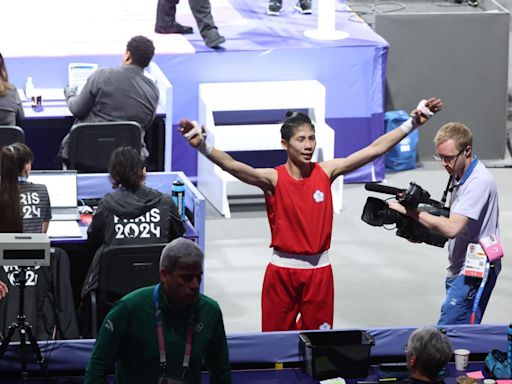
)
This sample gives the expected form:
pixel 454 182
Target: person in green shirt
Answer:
pixel 164 333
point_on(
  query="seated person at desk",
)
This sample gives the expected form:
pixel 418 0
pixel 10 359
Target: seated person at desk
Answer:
pixel 17 195
pixel 132 214
pixel 11 110
pixel 25 207
pixel 427 352
pixel 117 94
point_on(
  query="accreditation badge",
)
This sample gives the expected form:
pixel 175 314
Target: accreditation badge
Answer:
pixel 166 380
pixel 476 259
pixel 492 247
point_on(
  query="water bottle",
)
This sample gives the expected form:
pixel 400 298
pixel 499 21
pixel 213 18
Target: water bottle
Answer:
pixel 178 195
pixel 29 88
pixel 509 345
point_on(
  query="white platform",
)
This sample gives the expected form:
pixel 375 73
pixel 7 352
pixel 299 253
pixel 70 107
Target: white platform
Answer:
pixel 215 184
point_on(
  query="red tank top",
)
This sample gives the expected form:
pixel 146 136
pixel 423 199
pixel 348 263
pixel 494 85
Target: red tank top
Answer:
pixel 300 212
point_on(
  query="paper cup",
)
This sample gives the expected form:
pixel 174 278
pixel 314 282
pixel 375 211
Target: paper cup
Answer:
pixel 461 359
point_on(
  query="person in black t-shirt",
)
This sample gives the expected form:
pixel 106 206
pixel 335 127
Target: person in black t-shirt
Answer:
pixel 25 206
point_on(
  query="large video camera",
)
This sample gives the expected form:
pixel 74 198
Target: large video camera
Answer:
pixel 376 212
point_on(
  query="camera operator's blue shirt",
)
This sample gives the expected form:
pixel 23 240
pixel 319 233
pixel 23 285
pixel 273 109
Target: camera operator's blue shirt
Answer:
pixel 476 197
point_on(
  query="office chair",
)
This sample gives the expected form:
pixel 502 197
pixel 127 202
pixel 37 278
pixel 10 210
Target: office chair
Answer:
pixel 123 269
pixel 91 144
pixel 10 134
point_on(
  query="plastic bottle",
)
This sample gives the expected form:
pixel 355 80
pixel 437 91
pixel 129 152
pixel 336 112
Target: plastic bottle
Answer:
pixel 178 195
pixel 29 87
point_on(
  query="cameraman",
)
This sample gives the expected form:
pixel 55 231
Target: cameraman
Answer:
pixel 473 216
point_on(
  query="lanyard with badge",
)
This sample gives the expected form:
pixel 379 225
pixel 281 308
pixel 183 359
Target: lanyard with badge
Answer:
pixel 161 343
pixel 466 174
pixel 479 256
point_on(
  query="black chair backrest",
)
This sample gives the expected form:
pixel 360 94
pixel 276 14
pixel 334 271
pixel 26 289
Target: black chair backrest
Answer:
pixel 91 144
pixel 126 268
pixel 10 134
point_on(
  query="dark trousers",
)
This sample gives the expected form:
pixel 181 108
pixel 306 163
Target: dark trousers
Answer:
pixel 201 9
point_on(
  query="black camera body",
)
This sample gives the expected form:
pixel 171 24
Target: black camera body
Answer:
pixel 376 212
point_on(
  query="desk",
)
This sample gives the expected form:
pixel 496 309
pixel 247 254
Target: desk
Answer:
pixel 46 127
pixel 297 375
pixel 95 186
pixel 72 355
pixel 268 376
pixel 270 347
pixel 276 376
pixel 52 109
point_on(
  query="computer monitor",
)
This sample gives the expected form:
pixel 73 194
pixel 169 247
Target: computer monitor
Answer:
pixel 62 189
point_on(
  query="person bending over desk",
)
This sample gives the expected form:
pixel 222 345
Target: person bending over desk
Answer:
pixel 11 109
pixel 132 214
pixel 163 333
pixel 117 94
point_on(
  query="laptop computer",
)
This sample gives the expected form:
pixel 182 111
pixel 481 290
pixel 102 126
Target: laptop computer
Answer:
pixel 62 189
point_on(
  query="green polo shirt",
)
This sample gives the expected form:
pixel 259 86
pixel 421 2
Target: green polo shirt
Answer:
pixel 128 339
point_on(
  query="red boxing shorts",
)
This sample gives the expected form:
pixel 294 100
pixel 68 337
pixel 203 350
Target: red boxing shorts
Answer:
pixel 297 298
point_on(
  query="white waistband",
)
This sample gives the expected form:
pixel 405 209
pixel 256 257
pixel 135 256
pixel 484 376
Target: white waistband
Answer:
pixel 293 260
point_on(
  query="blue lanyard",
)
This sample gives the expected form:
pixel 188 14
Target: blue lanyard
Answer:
pixel 467 172
pixel 161 340
pixel 478 295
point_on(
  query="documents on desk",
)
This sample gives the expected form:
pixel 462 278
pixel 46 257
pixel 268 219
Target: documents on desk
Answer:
pixel 21 94
pixel 336 380
pixel 78 73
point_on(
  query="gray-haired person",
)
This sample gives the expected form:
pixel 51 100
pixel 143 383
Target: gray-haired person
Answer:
pixel 428 351
pixel 151 333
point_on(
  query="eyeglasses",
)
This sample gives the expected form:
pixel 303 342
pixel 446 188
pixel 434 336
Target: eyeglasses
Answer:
pixel 448 159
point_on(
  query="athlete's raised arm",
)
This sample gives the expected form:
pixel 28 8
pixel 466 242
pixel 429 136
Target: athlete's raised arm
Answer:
pixel 264 178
